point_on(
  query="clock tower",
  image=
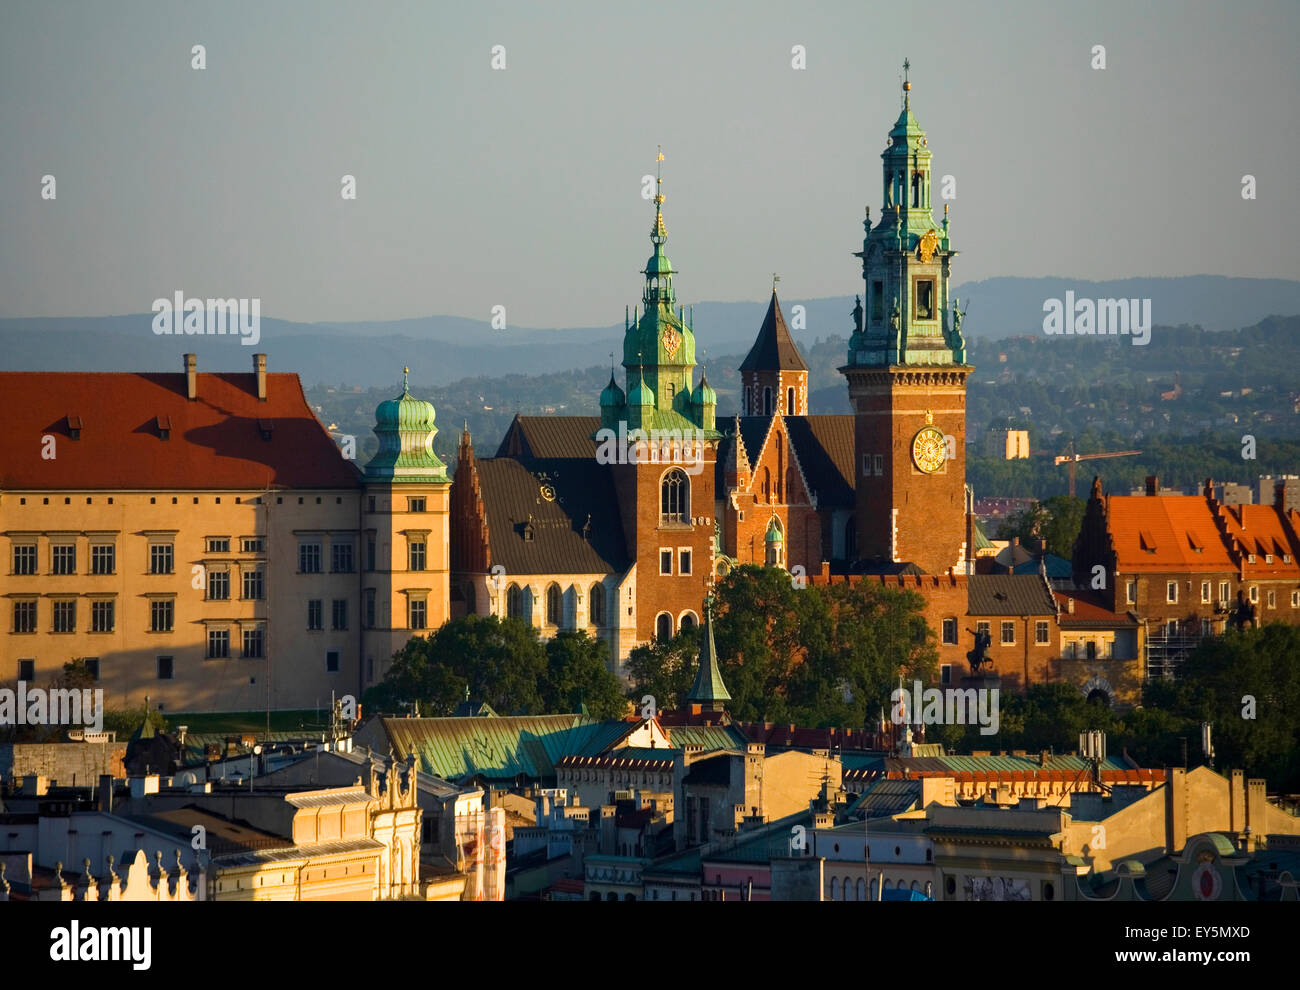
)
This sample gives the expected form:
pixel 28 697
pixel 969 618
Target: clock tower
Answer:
pixel 907 374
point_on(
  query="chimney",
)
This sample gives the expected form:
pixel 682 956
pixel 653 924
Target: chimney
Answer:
pixel 1069 605
pixel 191 376
pixel 1279 494
pixel 1208 491
pixel 1153 484
pixel 259 368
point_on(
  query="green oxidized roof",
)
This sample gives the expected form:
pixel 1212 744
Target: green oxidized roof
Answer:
pixel 612 395
pixel 773 532
pixel 708 682
pixel 704 394
pixel 405 428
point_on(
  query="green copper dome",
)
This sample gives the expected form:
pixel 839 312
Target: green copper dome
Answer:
pixel 704 394
pixel 642 395
pixel 405 428
pixel 612 396
pixel 774 533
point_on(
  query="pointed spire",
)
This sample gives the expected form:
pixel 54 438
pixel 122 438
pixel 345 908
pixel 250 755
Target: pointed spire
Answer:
pixel 907 85
pixel 774 349
pixel 406 381
pixel 709 691
pixel 659 234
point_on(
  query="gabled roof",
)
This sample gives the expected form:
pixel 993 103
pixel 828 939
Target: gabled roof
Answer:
pixel 1008 594
pixel 1262 530
pixel 774 349
pixel 822 445
pixel 1090 612
pixel 215 441
pixel 1163 532
pixel 533 534
pixel 548 437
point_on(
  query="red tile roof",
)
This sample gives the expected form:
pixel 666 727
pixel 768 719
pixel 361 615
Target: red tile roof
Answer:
pixel 216 441
pixel 1162 532
pixel 1261 531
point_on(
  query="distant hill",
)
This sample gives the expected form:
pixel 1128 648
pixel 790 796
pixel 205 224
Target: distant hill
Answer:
pixel 443 349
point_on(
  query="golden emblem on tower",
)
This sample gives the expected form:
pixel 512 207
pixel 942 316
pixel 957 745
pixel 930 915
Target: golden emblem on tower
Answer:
pixel 929 242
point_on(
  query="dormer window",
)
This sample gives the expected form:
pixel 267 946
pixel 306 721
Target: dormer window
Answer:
pixel 264 427
pixel 164 427
pixel 1250 559
pixel 528 532
pixel 1268 558
pixel 74 427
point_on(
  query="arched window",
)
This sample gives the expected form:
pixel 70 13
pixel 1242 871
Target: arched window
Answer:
pixel 789 401
pixel 767 400
pixel 916 188
pixel 780 468
pixel 514 602
pixel 674 497
pixel 862 889
pixel 687 621
pixel 875 889
pixel 835 888
pixel 767 485
pixel 664 627
pixel 596 605
pixel 554 605
pixel 848 889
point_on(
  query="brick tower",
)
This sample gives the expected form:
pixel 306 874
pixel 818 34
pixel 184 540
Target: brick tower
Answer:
pixel 907 375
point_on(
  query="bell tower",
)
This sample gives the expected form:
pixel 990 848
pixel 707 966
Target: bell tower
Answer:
pixel 907 372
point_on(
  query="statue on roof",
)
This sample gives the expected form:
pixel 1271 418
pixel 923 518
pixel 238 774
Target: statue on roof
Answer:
pixel 857 314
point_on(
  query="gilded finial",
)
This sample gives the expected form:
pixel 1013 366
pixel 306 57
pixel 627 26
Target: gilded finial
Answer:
pixel 907 85
pixel 406 374
pixel 659 230
pixel 775 278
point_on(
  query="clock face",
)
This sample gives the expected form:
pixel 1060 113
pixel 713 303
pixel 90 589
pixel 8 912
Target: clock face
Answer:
pixel 929 450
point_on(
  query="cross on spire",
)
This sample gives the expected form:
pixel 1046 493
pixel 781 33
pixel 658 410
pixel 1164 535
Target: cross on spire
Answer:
pixel 907 85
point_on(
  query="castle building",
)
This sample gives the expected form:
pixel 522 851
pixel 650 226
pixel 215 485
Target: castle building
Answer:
pixel 199 539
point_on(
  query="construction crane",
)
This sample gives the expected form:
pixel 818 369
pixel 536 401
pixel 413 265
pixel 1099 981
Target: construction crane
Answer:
pixel 1072 459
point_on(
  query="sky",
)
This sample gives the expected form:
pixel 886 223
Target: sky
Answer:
pixel 521 186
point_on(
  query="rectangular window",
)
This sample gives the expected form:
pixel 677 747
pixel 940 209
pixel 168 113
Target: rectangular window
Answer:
pixel 24 617
pixel 1092 650
pixel 1171 592
pixel 218 586
pixel 160 558
pixel 925 299
pixel 309 558
pixel 101 616
pixel 866 465
pixel 879 461
pixel 370 608
pixel 254 584
pixel 219 544
pixel 165 665
pixel 1254 593
pixel 63 558
pixel 1205 591
pixel 315 614
pixel 418 614
pixel 684 561
pixel 103 558
pixel 1223 591
pixel 1272 599
pixel 339 614
pixel 982 627
pixel 1131 592
pixel 370 553
pixel 415 505
pixel 254 544
pixel 253 643
pixel 218 644
pixel 665 561
pixel 160 615
pixel 1295 599
pixel 370 504
pixel 950 631
pixel 92 667
pixel 1008 632
pixel 27 670
pixel 1171 627
pixel 341 558
pixel 415 553
pixel 1042 632
pixel 877 301
pixel 945 673
pixel 25 558
pixel 65 617
pixel 332 662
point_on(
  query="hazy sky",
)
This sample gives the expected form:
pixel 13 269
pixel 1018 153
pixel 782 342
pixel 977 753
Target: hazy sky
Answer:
pixel 522 187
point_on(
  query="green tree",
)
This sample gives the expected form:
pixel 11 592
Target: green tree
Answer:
pixel 665 670
pixel 577 673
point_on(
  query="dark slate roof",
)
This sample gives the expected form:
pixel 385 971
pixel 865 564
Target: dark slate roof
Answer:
pixel 512 499
pixel 1009 594
pixel 714 769
pixel 550 437
pixel 774 350
pixel 823 444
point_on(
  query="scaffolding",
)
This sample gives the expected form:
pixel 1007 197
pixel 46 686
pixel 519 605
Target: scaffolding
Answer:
pixel 1165 652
